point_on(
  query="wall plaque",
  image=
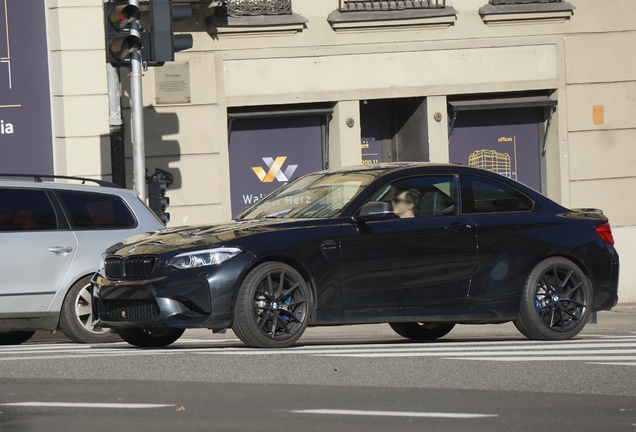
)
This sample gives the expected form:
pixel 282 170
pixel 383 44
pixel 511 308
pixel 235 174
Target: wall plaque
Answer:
pixel 172 83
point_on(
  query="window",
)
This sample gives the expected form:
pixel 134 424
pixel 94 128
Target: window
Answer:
pixel 431 196
pixel 484 195
pixel 26 210
pixel 312 196
pixel 97 211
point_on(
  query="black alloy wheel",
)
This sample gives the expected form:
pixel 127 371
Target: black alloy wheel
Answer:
pixel 422 331
pixel 272 308
pixel 15 337
pixel 150 338
pixel 556 300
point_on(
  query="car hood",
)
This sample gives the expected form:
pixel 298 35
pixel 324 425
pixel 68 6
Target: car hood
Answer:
pixel 195 237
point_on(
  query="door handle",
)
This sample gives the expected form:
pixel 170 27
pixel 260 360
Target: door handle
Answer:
pixel 457 227
pixel 329 244
pixel 60 250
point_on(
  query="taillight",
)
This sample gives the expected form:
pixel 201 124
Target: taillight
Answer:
pixel 605 232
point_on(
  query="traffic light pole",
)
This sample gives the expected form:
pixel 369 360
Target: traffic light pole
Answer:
pixel 137 108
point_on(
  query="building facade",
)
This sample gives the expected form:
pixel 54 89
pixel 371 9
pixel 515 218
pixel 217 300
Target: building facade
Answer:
pixel 540 91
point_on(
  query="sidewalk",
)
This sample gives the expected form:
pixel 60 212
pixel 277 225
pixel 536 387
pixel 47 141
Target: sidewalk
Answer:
pixel 619 321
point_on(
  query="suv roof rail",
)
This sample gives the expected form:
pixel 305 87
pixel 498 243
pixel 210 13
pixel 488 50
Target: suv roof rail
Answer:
pixel 38 179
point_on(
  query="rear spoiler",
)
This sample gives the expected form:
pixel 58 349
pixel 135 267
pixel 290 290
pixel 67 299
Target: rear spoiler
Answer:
pixel 588 210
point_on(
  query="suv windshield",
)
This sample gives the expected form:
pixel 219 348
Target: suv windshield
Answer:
pixel 311 196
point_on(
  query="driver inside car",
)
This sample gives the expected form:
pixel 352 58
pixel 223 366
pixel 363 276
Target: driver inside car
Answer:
pixel 407 204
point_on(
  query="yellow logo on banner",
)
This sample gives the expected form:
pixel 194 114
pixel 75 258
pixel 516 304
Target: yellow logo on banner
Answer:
pixel 275 170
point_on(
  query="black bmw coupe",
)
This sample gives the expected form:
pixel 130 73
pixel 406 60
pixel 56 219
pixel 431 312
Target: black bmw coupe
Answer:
pixel 422 247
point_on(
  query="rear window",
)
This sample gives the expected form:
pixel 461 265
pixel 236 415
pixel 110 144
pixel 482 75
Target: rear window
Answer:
pixel 97 211
pixel 26 210
pixel 484 195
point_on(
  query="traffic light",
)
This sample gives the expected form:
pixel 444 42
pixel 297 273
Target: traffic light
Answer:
pixel 164 43
pixel 120 43
pixel 157 199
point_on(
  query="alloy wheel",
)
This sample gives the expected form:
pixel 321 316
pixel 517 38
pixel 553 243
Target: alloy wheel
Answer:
pixel 560 298
pixel 84 311
pixel 279 306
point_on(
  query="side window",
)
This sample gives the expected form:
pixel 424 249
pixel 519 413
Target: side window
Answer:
pixel 425 196
pixel 96 211
pixel 26 210
pixel 484 195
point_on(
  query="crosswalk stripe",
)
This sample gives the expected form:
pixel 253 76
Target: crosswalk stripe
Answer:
pixel 342 352
pixel 394 413
pixel 472 354
pixel 86 405
pixel 549 358
pixel 433 350
pixel 616 363
pixel 600 350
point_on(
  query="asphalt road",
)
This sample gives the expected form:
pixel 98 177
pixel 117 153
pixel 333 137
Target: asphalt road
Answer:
pixel 362 378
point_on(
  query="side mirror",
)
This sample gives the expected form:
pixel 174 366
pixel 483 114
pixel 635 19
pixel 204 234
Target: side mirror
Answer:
pixel 375 211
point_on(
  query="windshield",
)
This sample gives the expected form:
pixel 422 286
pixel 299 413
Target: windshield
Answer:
pixel 311 196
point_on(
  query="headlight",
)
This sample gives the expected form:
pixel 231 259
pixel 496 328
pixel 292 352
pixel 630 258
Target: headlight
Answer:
pixel 102 265
pixel 203 258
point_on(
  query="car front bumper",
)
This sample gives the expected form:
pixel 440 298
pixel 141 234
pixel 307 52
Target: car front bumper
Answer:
pixel 195 298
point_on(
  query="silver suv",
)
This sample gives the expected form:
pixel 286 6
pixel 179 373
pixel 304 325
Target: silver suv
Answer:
pixel 53 235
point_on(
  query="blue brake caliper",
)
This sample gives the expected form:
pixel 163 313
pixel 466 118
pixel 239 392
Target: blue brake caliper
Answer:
pixel 538 305
pixel 287 301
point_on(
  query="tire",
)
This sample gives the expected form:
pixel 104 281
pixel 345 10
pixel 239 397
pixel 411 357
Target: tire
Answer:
pixel 422 331
pixel 555 302
pixel 150 338
pixel 272 308
pixel 76 317
pixel 15 337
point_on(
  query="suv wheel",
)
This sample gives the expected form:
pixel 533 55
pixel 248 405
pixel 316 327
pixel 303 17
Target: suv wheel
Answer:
pixel 76 319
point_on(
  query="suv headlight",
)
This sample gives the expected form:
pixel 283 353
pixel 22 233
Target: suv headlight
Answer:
pixel 202 258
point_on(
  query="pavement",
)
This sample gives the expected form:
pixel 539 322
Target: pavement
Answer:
pixel 619 319
pixel 360 378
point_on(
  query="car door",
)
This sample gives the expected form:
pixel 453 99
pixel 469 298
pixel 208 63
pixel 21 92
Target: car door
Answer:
pixel 418 262
pixel 506 235
pixel 98 220
pixel 35 254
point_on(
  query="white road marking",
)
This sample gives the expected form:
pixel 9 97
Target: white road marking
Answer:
pixel 473 353
pixel 548 358
pixel 394 413
pixel 86 405
pixel 601 350
pixel 408 350
pixel 441 345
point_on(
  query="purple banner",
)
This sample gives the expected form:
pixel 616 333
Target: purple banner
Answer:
pixel 266 153
pixel 26 142
pixel 505 141
pixel 371 145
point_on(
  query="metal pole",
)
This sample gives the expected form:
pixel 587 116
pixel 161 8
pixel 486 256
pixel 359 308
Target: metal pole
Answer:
pixel 137 105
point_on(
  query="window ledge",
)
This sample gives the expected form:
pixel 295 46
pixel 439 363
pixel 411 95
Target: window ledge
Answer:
pixel 256 25
pixel 392 20
pixel 529 13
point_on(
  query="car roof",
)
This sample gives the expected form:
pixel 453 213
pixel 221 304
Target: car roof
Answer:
pixel 390 167
pixel 63 186
pixel 381 170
